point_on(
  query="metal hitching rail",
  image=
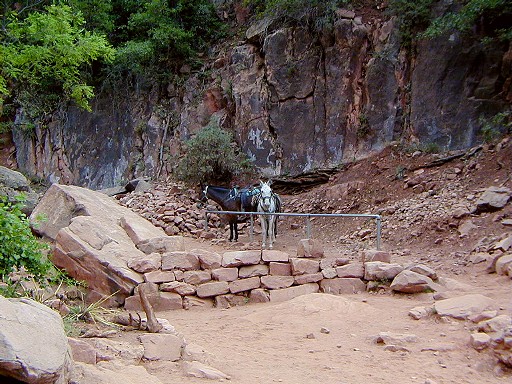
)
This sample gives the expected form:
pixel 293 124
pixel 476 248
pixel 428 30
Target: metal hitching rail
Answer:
pixel 308 219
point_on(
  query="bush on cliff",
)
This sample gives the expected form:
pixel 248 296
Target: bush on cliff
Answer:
pixel 212 157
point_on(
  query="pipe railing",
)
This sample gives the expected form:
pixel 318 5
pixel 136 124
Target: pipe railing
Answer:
pixel 308 219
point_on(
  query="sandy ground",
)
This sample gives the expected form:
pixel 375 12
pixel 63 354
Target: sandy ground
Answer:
pixel 323 338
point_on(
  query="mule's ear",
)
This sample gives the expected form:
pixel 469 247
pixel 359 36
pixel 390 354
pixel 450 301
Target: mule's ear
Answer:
pixel 269 182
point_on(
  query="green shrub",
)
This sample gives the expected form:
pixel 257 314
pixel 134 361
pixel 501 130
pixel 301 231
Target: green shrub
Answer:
pixel 212 157
pixel 318 13
pixel 18 246
pixel 413 17
pixel 496 126
pixel 494 14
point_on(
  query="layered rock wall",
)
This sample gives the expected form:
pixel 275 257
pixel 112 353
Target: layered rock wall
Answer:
pixel 295 100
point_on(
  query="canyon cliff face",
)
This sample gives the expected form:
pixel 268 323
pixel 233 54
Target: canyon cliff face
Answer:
pixel 296 101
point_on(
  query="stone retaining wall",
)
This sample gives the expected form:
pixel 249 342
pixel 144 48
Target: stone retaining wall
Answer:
pixel 185 279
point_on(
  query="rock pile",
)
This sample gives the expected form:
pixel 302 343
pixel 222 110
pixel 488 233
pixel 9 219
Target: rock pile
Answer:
pixel 172 208
pixel 489 330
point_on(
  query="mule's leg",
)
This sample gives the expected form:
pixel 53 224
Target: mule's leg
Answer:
pixel 231 231
pixel 271 233
pixel 235 227
pixel 263 231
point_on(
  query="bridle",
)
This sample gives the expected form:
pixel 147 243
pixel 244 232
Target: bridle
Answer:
pixel 204 198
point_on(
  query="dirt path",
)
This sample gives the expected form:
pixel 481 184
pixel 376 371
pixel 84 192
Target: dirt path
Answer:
pixel 322 338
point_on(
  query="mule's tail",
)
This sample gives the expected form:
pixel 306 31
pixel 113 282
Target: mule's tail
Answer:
pixel 279 204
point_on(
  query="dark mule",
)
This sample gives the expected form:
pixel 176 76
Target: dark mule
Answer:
pixel 230 199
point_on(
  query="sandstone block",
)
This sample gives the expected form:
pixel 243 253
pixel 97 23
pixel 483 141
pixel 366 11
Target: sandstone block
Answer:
pixel 212 289
pixel 182 260
pixel 310 248
pixel 502 263
pixel 480 340
pixel 304 266
pixel 208 259
pixel 178 287
pixel 229 300
pixel 274 255
pixel 151 262
pixel 351 270
pixel 329 273
pixel 308 278
pixel 280 269
pixel 193 302
pixel 492 199
pixel 462 307
pixel 196 277
pixel 238 258
pixel 411 282
pixel 259 296
pixel 34 347
pixel 276 282
pixel 378 270
pixel 253 270
pixel 244 284
pixel 163 347
pixel 158 277
pixel 225 274
pixel 423 270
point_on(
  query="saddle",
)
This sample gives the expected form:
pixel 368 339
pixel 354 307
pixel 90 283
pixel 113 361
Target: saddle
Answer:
pixel 246 197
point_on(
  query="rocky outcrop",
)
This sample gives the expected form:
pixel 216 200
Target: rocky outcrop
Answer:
pixel 94 238
pixel 33 345
pixel 13 185
pixel 295 100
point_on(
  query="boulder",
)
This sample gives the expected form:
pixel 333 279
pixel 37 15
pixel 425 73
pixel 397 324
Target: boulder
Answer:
pixel 379 270
pixel 112 372
pixel 463 307
pixel 95 238
pixel 162 346
pixel 13 179
pixel 310 248
pixel 411 282
pixel 12 184
pixel 493 199
pixel 33 345
pixel 198 369
pixel 61 203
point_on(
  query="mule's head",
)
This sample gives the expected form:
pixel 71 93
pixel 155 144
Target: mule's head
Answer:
pixel 203 196
pixel 265 194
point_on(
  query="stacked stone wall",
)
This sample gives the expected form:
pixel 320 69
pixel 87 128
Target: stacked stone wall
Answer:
pixel 203 278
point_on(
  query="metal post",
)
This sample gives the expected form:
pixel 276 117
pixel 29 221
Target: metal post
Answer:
pixel 206 221
pixel 252 228
pixel 378 232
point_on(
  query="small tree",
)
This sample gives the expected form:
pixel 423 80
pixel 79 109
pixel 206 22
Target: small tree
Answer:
pixel 18 246
pixel 212 157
